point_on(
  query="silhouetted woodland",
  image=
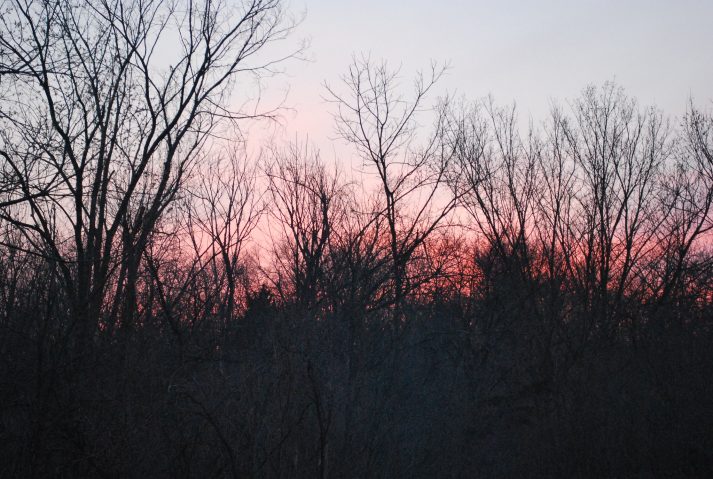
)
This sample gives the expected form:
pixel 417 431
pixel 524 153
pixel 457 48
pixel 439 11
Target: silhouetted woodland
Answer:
pixel 489 301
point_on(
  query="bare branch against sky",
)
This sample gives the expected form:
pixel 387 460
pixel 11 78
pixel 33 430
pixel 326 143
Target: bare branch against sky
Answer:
pixel 448 239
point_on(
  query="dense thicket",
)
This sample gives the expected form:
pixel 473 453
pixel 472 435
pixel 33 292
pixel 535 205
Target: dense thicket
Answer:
pixel 490 303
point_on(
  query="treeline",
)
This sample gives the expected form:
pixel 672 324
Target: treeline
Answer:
pixel 493 301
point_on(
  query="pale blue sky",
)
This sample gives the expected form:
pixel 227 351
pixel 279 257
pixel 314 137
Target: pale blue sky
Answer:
pixel 531 52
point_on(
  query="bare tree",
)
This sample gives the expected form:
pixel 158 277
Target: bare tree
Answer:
pixel 307 205
pixel 99 130
pixel 687 197
pixel 382 125
pixel 619 153
pixel 226 209
pixel 495 173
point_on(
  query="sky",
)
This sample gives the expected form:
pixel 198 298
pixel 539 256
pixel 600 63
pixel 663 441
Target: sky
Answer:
pixel 530 52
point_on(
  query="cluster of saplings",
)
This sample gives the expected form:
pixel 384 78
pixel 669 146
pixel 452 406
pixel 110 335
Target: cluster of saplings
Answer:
pixel 487 301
